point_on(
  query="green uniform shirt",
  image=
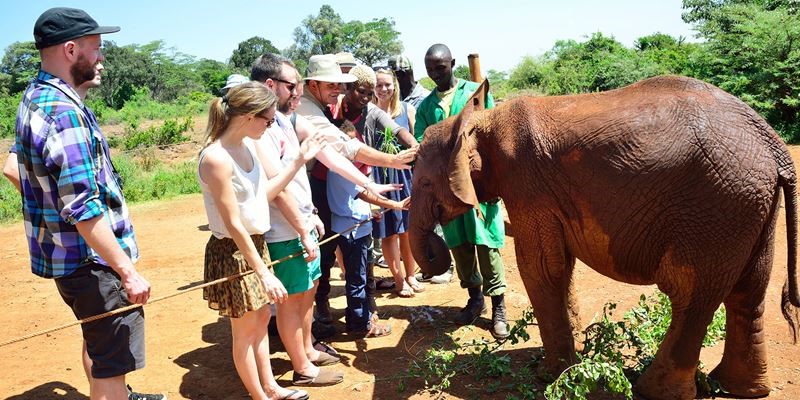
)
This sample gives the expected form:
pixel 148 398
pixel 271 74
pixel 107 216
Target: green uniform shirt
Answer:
pixel 467 228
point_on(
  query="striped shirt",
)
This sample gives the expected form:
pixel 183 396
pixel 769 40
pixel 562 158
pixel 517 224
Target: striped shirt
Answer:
pixel 67 177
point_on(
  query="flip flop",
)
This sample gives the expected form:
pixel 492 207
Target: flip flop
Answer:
pixel 416 287
pixel 325 377
pixel 405 293
pixel 292 393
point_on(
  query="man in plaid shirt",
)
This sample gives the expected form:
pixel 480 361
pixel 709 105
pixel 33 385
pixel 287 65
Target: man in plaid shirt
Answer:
pixel 76 221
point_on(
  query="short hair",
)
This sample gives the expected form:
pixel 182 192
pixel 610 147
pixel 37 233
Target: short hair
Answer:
pixel 268 66
pixel 364 75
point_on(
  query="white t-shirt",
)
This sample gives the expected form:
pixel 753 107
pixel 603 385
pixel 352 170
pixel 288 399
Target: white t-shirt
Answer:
pixel 280 142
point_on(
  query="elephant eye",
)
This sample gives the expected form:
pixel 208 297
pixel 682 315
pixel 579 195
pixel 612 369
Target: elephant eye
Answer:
pixel 424 182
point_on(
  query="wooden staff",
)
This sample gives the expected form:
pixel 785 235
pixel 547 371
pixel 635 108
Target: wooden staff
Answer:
pixel 475 67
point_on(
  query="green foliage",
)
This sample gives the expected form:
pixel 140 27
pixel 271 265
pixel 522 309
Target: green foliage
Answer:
pixel 250 49
pixel 148 179
pixel 8 115
pixel 462 72
pixel 372 41
pixel 141 106
pixel 170 132
pixel 10 202
pixel 328 33
pixel 449 358
pixel 617 352
pixel 427 83
pixel 752 59
pixel 19 65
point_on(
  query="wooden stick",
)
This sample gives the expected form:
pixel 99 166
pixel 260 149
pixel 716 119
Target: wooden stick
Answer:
pixel 475 68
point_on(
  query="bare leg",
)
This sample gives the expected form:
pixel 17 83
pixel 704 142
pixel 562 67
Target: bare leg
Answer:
pixel 391 253
pixel 408 260
pixel 290 320
pixel 308 340
pixel 87 363
pixel 108 388
pixel 251 360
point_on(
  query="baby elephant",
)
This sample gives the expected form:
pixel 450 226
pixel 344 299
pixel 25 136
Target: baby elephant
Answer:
pixel 669 181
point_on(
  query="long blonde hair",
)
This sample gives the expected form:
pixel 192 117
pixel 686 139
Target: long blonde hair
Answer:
pixel 394 103
pixel 244 99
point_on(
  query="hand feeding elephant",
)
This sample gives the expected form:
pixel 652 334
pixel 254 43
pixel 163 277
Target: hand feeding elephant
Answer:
pixel 669 181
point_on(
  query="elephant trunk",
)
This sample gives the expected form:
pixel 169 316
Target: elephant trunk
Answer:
pixel 429 250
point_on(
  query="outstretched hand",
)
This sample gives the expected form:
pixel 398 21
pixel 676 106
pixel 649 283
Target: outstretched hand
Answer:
pixel 311 146
pixel 379 189
pixel 402 159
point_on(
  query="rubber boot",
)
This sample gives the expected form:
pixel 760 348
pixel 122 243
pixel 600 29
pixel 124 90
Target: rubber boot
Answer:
pixel 474 308
pixel 499 324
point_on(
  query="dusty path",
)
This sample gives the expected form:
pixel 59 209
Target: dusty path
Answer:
pixel 188 345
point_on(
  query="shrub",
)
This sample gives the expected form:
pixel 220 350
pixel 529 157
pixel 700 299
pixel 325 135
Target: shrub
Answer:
pixel 170 132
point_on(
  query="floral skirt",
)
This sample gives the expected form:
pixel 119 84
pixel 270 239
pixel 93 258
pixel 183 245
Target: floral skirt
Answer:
pixel 235 297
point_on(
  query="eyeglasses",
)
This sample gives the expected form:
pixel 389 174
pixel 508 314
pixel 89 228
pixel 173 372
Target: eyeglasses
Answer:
pixel 270 121
pixel 290 86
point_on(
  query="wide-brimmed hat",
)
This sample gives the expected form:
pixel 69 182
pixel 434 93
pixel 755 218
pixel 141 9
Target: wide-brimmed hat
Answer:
pixel 234 80
pixel 345 59
pixel 61 24
pixel 399 63
pixel 324 68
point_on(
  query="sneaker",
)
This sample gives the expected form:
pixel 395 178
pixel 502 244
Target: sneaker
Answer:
pixel 381 263
pixel 144 396
pixel 437 279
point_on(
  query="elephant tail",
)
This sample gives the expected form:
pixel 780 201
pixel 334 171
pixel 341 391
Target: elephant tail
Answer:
pixel 790 298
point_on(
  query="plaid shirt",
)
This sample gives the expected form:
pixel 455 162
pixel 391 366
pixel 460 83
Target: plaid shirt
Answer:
pixel 67 177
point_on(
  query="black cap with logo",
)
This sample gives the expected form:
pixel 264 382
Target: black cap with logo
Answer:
pixel 60 24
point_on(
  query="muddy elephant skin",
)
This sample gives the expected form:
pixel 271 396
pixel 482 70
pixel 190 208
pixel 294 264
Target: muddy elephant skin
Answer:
pixel 669 181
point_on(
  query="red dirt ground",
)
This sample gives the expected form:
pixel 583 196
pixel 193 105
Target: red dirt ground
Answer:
pixel 188 345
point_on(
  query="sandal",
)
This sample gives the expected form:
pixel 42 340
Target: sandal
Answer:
pixel 406 292
pixel 292 393
pixel 325 377
pixel 416 287
pixel 375 331
pixel 384 284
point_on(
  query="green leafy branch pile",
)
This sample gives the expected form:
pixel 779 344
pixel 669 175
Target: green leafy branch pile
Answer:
pixel 615 353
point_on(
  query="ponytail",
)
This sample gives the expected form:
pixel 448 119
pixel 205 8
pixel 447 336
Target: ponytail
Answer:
pixel 246 98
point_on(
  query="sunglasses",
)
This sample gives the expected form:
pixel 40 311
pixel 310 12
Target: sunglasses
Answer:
pixel 290 86
pixel 270 121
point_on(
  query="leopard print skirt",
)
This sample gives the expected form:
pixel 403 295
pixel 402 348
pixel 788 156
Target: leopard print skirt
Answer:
pixel 235 297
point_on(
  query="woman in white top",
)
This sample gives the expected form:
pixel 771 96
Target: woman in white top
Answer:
pixel 235 191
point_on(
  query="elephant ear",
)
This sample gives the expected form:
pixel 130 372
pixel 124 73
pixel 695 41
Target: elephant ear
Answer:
pixel 464 157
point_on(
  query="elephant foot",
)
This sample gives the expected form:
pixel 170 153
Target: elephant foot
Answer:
pixel 551 368
pixel 741 382
pixel 663 384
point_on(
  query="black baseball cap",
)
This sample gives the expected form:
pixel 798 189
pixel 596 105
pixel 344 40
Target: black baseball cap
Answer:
pixel 60 24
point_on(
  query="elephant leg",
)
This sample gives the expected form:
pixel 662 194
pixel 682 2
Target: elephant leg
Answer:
pixel 546 270
pixel 671 375
pixel 743 368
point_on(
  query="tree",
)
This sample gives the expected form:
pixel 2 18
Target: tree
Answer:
pixel 321 34
pixel 242 58
pixel 21 63
pixel 373 41
pixel 754 53
pixel 462 71
pixel 327 33
pixel 212 74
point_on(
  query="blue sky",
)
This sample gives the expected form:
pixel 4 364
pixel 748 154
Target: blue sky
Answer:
pixel 500 31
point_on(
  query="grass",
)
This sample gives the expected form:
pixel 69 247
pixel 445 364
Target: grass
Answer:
pixel 145 178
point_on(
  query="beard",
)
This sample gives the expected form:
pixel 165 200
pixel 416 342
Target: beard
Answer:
pixel 284 105
pixel 82 71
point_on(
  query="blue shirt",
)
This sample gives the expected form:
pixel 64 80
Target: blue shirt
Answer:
pixel 346 209
pixel 66 177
